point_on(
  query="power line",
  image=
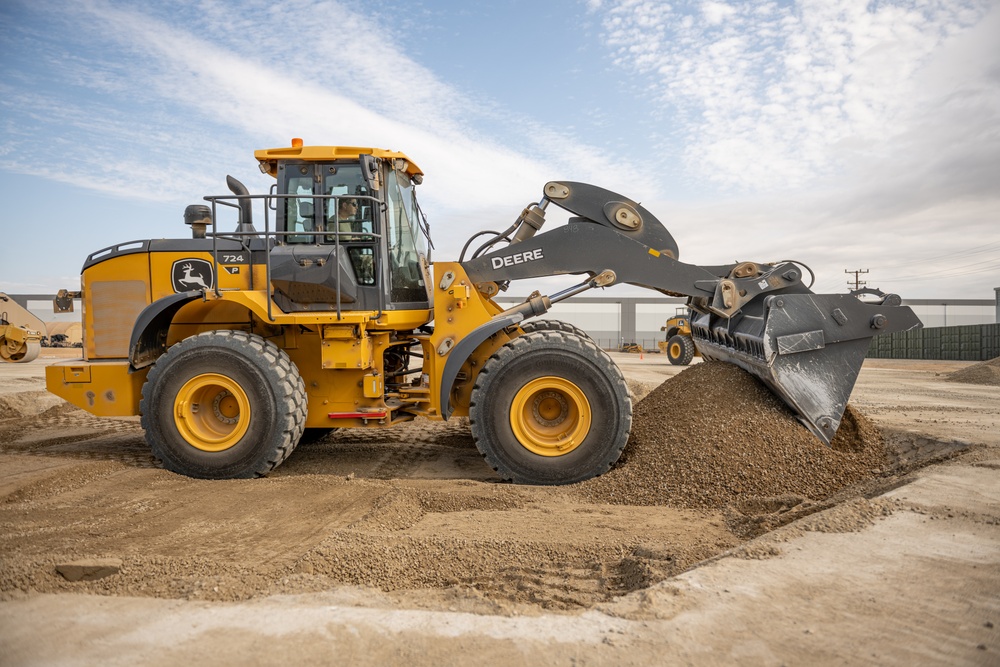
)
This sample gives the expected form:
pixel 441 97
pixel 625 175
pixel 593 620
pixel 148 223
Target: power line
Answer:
pixel 965 252
pixel 988 266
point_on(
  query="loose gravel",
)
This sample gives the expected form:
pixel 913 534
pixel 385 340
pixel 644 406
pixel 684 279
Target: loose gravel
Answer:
pixel 984 373
pixel 713 435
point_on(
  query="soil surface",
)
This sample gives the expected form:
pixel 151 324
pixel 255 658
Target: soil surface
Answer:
pixel 415 509
pixel 985 373
pixel 391 522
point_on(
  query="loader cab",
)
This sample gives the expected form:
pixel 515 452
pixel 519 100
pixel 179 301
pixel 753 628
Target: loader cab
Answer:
pixel 349 236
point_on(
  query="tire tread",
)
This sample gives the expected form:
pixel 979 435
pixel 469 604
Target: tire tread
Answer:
pixel 285 380
pixel 568 340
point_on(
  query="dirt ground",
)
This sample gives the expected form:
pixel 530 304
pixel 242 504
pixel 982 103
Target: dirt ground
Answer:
pixel 399 546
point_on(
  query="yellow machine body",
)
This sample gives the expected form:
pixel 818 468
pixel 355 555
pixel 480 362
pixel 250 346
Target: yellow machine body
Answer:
pixel 340 360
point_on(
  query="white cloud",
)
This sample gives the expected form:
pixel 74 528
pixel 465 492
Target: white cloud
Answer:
pixel 774 96
pixel 843 134
pixel 717 12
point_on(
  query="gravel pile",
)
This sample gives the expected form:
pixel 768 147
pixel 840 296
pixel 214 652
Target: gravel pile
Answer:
pixel 984 373
pixel 714 435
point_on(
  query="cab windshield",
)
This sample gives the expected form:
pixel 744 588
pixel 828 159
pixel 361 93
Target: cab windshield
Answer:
pixel 405 240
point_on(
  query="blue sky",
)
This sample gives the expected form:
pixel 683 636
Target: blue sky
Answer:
pixel 846 135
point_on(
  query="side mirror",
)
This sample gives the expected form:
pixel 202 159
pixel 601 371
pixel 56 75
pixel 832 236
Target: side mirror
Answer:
pixel 369 167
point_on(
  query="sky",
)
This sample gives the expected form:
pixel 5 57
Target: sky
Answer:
pixel 842 134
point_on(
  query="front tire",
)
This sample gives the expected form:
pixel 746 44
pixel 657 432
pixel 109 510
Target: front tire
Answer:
pixel 553 325
pixel 550 407
pixel 680 350
pixel 223 404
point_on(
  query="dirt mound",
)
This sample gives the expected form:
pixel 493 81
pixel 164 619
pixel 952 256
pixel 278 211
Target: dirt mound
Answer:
pixel 713 435
pixel 18 404
pixel 985 372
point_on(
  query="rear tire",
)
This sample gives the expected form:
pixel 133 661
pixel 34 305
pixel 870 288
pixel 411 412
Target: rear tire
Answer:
pixel 550 407
pixel 680 350
pixel 223 404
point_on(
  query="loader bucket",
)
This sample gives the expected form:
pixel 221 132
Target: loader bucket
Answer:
pixel 807 348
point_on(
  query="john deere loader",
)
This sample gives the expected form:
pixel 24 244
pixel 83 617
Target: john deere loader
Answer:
pixel 678 344
pixel 323 311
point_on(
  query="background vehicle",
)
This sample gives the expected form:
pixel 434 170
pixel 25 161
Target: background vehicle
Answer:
pixel 678 344
pixel 231 345
pixel 20 332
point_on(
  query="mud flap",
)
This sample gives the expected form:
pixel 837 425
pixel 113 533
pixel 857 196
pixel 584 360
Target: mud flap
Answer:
pixel 807 348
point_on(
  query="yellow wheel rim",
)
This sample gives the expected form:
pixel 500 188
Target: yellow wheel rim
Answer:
pixel 550 416
pixel 675 350
pixel 212 412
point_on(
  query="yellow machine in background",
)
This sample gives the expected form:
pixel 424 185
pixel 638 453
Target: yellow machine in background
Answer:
pixel 678 344
pixel 325 312
pixel 20 332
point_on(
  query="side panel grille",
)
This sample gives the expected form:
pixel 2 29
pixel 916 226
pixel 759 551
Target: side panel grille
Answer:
pixel 115 305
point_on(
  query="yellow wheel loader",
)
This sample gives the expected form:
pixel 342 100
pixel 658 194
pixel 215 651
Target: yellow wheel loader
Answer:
pixel 678 344
pixel 324 311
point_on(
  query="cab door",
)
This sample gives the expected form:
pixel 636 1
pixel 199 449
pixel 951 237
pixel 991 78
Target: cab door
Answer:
pixel 328 221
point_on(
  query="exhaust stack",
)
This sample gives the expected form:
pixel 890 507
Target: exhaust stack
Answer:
pixel 246 207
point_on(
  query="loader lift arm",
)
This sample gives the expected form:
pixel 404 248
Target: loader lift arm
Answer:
pixel 612 232
pixel 807 348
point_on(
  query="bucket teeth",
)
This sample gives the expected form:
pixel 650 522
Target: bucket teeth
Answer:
pixel 807 348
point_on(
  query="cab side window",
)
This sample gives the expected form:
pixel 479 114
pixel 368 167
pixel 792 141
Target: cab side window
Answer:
pixel 300 209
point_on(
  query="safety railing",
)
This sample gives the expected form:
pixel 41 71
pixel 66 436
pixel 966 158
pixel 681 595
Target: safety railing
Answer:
pixel 271 237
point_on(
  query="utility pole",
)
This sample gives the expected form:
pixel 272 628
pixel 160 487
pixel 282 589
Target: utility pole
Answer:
pixel 858 283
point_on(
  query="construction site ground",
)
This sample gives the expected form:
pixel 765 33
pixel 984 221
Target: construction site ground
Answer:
pixel 398 546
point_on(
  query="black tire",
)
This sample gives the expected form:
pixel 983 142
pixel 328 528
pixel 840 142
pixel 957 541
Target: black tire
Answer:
pixel 680 350
pixel 255 400
pixel 540 390
pixel 553 325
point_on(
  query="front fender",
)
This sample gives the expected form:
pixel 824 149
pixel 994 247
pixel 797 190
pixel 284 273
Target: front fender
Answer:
pixel 465 347
pixel 149 334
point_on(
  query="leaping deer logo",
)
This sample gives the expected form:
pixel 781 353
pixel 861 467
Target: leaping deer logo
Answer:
pixel 192 279
pixel 192 274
